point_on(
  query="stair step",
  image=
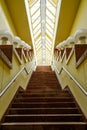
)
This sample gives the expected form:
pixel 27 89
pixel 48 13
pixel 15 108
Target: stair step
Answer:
pixel 44 88
pixel 38 80
pixel 45 123
pixel 41 99
pixel 38 94
pixel 49 89
pixel 43 118
pixel 44 126
pixel 43 111
pixel 43 104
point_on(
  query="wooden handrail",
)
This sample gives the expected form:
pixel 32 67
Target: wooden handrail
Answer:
pixel 15 77
pixel 75 81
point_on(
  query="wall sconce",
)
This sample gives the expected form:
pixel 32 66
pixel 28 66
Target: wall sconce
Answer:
pixel 61 45
pixel 70 41
pixel 81 36
pixel 6 37
pixel 16 41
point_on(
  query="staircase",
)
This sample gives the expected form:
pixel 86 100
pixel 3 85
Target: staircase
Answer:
pixel 43 106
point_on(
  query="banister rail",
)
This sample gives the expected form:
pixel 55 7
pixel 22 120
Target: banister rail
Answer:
pixel 15 77
pixel 70 75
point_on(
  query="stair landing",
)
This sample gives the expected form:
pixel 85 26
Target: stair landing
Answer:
pixel 44 69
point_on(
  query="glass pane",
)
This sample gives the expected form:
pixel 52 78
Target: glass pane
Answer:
pixel 48 47
pixel 48 39
pixel 39 38
pixel 36 15
pixel 36 22
pixel 39 54
pixel 53 3
pixel 38 33
pixel 48 13
pixel 34 32
pixel 35 7
pixel 51 7
pixel 49 28
pixel 47 55
pixel 48 44
pixel 49 33
pixel 39 47
pixel 32 2
pixel 38 44
pixel 50 22
pixel 37 28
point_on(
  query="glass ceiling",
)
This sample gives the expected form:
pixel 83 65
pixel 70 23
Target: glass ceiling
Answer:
pixel 43 20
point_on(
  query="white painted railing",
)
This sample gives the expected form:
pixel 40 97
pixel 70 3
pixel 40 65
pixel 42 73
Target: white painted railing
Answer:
pixel 72 77
pixel 15 77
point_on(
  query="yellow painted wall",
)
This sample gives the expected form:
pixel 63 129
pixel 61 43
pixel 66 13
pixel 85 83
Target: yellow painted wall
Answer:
pixel 81 17
pixel 79 74
pixel 5 19
pixel 7 74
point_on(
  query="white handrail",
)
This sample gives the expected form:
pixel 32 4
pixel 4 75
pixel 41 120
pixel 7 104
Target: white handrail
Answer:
pixel 8 85
pixel 75 81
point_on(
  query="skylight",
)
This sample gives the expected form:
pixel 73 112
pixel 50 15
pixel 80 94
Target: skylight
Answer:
pixel 43 15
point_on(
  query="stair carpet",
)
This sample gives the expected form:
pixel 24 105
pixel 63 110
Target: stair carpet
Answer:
pixel 43 106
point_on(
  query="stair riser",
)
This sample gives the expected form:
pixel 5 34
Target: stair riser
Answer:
pixel 44 111
pixel 41 105
pixel 42 119
pixel 43 100
pixel 46 94
pixel 44 127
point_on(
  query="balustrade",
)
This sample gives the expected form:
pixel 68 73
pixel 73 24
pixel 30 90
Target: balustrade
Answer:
pixel 10 47
pixel 76 44
pixel 75 60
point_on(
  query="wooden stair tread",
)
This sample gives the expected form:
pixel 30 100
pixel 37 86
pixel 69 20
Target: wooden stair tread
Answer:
pixel 44 118
pixel 65 102
pixel 43 104
pixel 45 123
pixel 43 111
pixel 43 100
pixel 30 115
pixel 36 108
pixel 44 94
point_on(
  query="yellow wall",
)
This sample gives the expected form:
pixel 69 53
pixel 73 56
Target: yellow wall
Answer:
pixel 80 74
pixel 22 81
pixel 81 17
pixel 6 74
pixel 5 20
